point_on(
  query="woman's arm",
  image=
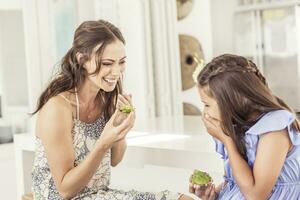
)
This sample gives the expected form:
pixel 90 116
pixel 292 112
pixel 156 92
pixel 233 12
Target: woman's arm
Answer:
pixel 119 148
pixel 54 125
pixel 117 152
pixel 270 157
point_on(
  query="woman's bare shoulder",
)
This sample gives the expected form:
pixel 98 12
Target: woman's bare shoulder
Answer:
pixel 55 115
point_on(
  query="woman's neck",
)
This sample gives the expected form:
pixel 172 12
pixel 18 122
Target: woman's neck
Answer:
pixel 87 93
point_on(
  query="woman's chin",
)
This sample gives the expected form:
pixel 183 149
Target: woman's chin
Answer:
pixel 108 88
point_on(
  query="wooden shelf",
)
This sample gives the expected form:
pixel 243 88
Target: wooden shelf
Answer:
pixel 267 5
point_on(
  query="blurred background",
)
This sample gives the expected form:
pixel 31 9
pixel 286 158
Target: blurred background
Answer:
pixel 165 40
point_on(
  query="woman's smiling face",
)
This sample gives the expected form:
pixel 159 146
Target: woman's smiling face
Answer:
pixel 112 66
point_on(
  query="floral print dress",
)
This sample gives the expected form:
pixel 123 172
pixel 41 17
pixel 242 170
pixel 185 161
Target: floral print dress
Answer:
pixel 84 137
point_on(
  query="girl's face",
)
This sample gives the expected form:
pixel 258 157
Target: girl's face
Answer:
pixel 112 66
pixel 211 107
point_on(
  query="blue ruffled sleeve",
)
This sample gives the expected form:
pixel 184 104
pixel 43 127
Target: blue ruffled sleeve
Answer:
pixel 271 121
pixel 220 148
pixel 276 121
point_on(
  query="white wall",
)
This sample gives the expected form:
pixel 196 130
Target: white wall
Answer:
pixel 10 5
pixel 13 69
pixel 135 29
pixel 222 16
pixel 198 24
pixel 13 58
pixel 211 22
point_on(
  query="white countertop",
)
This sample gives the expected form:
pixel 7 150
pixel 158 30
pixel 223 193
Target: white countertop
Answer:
pixel 161 145
pixel 170 141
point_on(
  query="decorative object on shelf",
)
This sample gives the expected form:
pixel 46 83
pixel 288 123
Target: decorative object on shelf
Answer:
pixel 247 3
pixel 184 7
pixel 192 60
pixel 190 109
pixel 200 65
pixel 190 54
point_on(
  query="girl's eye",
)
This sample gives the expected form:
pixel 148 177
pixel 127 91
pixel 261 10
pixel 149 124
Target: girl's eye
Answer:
pixel 122 62
pixel 107 64
pixel 206 105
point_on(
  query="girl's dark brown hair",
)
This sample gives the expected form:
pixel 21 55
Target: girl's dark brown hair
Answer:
pixel 88 36
pixel 242 95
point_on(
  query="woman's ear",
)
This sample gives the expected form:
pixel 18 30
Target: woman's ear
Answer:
pixel 78 56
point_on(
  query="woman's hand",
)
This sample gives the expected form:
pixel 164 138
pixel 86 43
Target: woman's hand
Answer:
pixel 205 192
pixel 112 133
pixel 213 127
pixel 123 100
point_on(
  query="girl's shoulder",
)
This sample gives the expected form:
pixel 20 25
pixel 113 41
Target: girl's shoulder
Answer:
pixel 272 121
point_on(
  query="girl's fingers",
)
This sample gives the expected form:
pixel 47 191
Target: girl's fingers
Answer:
pixel 212 194
pixel 198 192
pixel 208 122
pixel 191 188
pixel 211 120
pixel 208 190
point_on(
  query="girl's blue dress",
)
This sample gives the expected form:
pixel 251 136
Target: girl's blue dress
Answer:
pixel 287 186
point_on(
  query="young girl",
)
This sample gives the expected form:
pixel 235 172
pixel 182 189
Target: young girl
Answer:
pixel 79 134
pixel 256 133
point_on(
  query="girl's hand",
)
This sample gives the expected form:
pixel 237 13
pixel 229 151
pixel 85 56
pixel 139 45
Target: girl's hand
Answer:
pixel 112 133
pixel 213 127
pixel 204 192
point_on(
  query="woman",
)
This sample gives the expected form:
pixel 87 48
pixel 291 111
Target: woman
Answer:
pixel 80 131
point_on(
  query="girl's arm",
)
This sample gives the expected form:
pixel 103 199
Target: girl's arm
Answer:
pixel 270 157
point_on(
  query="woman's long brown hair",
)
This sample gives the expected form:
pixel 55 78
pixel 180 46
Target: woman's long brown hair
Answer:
pixel 72 74
pixel 242 94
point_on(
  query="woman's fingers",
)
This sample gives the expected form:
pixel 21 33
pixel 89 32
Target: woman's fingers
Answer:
pixel 127 122
pixel 112 118
pixel 120 104
pixel 123 100
pixel 124 133
pixel 128 98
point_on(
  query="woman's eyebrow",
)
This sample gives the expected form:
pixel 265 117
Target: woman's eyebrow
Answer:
pixel 108 59
pixel 112 60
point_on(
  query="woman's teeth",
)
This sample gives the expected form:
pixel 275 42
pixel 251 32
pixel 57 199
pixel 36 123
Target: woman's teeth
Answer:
pixel 110 80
